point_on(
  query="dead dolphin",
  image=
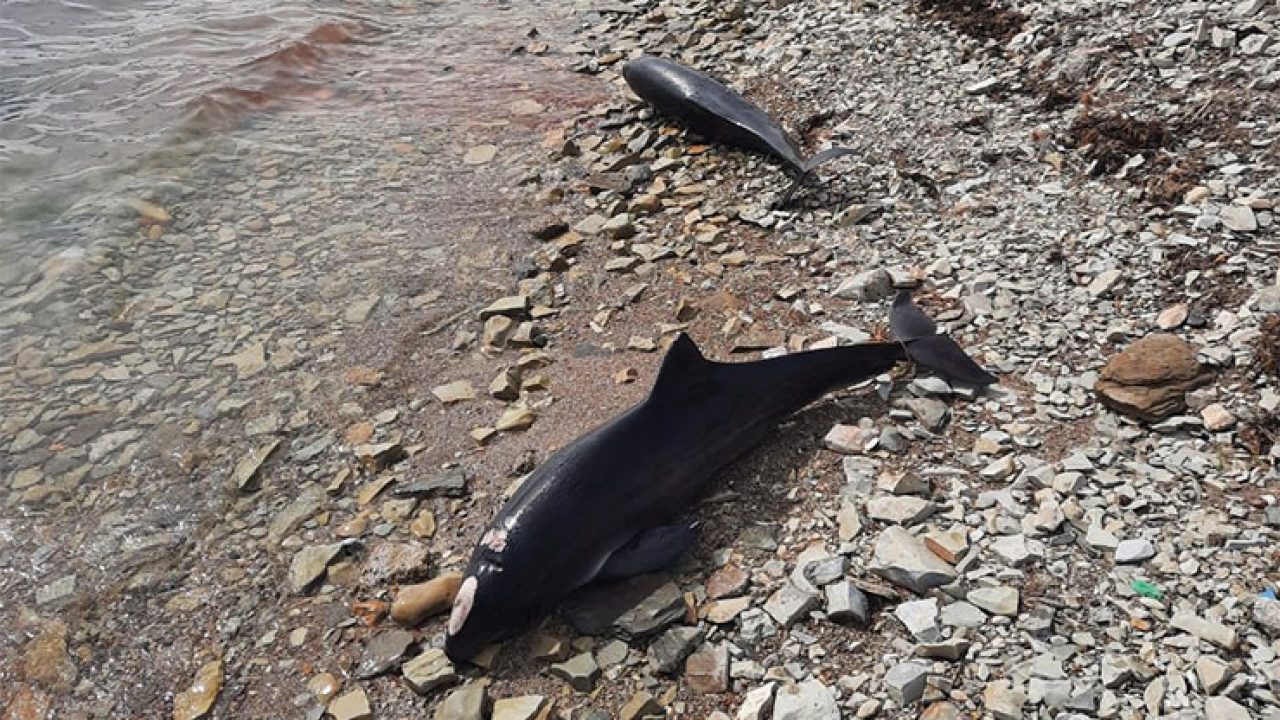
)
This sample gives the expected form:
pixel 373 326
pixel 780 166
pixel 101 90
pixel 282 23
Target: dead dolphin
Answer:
pixel 708 107
pixel 609 504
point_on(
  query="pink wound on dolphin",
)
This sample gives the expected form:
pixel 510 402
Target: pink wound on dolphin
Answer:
pixel 495 539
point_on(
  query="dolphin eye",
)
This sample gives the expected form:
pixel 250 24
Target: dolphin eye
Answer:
pixel 462 605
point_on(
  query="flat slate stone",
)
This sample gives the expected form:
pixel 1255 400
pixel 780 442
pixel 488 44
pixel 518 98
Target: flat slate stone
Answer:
pixel 790 604
pixel 383 652
pixel 809 700
pixel 902 559
pixel 636 607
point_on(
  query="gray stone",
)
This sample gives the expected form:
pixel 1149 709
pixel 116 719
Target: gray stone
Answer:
pixel 245 474
pixel 668 652
pixel 929 385
pixel 905 682
pixel 1047 667
pixel 613 653
pixel 899 509
pixel 642 706
pixel 1039 622
pixel 1266 613
pixel 1134 551
pixel 310 563
pixel 1207 630
pixel 809 700
pixel 308 503
pixel 619 227
pixel 635 607
pixel 468 702
pixel 892 440
pixel 825 571
pixel 383 652
pixel 1213 673
pixel 1000 468
pixel 451 483
pixel 1239 218
pixel 757 704
pixel 1105 282
pixel 868 286
pixel 964 615
pixel 954 649
pixel 429 671
pixel 901 558
pixel 1085 701
pixel 1224 708
pixel 790 603
pixel 921 619
pixel 903 483
pixel 931 413
pixel 580 671
pixel 1002 701
pixel 1116 671
pixel 351 705
pixel 1050 693
pixel 999 600
pixel 1099 538
pixel 846 603
pixel 756 626
pixel 525 707
pixel 58 593
pixel 512 306
pixel 1017 551
pixel 815 552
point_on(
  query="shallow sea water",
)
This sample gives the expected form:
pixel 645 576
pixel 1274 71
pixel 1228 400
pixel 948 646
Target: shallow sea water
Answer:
pixel 208 212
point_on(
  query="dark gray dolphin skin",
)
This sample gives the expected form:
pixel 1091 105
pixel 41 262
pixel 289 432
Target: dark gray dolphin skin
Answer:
pixel 712 110
pixel 610 503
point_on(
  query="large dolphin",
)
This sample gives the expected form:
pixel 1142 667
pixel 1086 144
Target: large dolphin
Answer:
pixel 712 110
pixel 610 503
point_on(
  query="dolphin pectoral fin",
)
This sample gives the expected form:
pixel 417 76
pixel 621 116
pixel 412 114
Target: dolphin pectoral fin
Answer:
pixel 825 156
pixel 908 321
pixel 654 549
pixel 919 335
pixel 942 355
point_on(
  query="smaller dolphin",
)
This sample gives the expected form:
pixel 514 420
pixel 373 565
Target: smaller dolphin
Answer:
pixel 612 503
pixel 709 108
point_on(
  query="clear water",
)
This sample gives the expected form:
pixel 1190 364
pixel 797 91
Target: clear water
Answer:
pixel 88 90
pixel 308 155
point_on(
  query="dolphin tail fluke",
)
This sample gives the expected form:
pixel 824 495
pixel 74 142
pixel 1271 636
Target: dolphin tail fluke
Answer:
pixel 824 157
pixel 805 170
pixel 919 335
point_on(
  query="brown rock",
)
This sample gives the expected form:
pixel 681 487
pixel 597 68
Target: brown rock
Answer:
pixel 358 433
pixel 1150 378
pixel 727 581
pixel 196 701
pixel 46 660
pixel 415 603
pixel 361 375
pixel 707 670
pixel 28 704
pixel 395 563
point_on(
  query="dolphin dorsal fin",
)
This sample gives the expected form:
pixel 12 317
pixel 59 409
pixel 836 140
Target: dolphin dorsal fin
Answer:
pixel 683 369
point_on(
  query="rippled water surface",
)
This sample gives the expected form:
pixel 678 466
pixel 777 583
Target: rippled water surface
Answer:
pixel 88 87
